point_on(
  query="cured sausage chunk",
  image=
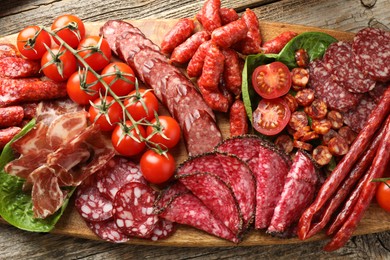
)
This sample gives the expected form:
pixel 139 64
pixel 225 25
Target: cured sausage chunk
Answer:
pixel 238 119
pixel 229 34
pixel 209 15
pixel 358 116
pixel 11 116
pixel 276 45
pixel 133 210
pixel 228 15
pixel 195 66
pixel 17 67
pixel 212 69
pixel 7 134
pixel 108 230
pixel 177 35
pixel 183 53
pixel 252 41
pixel 298 192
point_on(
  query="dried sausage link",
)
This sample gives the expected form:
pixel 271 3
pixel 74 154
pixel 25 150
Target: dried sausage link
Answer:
pixel 7 134
pixel 209 15
pixel 183 53
pixel 285 143
pixel 212 69
pixel 321 127
pixel 215 99
pixel 299 77
pixel 276 45
pixel 338 146
pixel 305 97
pixel 347 134
pixel 302 58
pixel 228 15
pixel 291 102
pixel 298 120
pixel 229 34
pixel 195 66
pixel 238 119
pixel 336 119
pixel 18 67
pixel 11 116
pixel 177 35
pixel 322 155
pixel 232 75
pixel 252 42
pixel 317 110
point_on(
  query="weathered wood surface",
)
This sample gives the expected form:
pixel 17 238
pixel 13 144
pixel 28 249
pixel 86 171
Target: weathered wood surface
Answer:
pixel 342 15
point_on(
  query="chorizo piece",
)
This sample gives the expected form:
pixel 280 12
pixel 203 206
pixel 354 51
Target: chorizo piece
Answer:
pixel 336 119
pixel 347 134
pixel 228 15
pixel 302 58
pixel 322 155
pixel 11 116
pixel 298 120
pixel 345 165
pixel 291 102
pixel 252 41
pixel 229 34
pixel 195 66
pixel 321 127
pixel 209 15
pixel 338 146
pixel 317 110
pixel 183 53
pixel 212 69
pixel 277 44
pixel 302 145
pixel 177 35
pixel 18 67
pixel 238 119
pixel 232 75
pixel 300 78
pixel 285 143
pixel 305 97
pixel 7 134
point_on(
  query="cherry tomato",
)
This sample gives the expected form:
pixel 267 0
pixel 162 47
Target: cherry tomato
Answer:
pixel 83 87
pixel 135 107
pixel 31 42
pixel 271 116
pixel 58 64
pixel 120 77
pixel 72 35
pixel 124 143
pixel 383 195
pixel 106 113
pixel 166 126
pixel 157 168
pixel 95 51
pixel 272 80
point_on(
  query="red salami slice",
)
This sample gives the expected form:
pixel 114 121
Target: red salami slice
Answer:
pixel 143 56
pixel 163 229
pixel 167 195
pixel 357 117
pixel 372 53
pixel 108 230
pixel 378 91
pixel 217 196
pixel 115 174
pixel 133 210
pixel 298 192
pixel 339 57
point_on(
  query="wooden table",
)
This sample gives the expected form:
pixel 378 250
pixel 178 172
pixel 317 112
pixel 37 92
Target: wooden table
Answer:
pixel 348 15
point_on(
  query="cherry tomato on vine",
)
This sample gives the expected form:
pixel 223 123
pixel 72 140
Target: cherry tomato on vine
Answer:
pixel 71 35
pixel 31 42
pixel 271 80
pixel 166 126
pixel 106 113
pixel 383 195
pixel 83 87
pixel 157 168
pixel 271 116
pixel 58 64
pixel 135 107
pixel 114 74
pixel 95 51
pixel 123 142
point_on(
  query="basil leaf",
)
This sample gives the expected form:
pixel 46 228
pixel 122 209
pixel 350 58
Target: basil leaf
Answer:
pixel 315 44
pixel 15 204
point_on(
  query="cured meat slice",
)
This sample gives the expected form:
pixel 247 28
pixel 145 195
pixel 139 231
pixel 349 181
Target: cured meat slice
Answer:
pixel 372 53
pixel 108 230
pixel 217 196
pixel 115 174
pixel 11 116
pixel 358 116
pixel 33 142
pixel 133 210
pixel 47 111
pixel 200 126
pixel 143 56
pixel 339 58
pixel 164 229
pixel 7 134
pixel 189 210
pixel 298 192
pixel 18 67
pixel 167 195
pixel 92 205
pixel 378 91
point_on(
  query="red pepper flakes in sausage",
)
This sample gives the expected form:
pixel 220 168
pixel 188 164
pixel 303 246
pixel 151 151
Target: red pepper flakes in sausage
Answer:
pixel 212 69
pixel 336 119
pixel 238 119
pixel 302 145
pixel 108 230
pixel 232 75
pixel 285 143
pixel 299 77
pixel 291 102
pixel 229 34
pixel 209 15
pixel 228 15
pixel 347 134
pixel 302 58
pixel 322 126
pixel 322 155
pixel 177 35
pixel 252 42
pixel 195 66
pixel 305 97
pixel 317 110
pixel 298 120
pixel 277 44
pixel 338 146
pixel 7 134
pixel 11 116
pixel 184 52
pixel 17 67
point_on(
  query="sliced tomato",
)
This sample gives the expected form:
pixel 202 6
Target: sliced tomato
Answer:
pixel 272 80
pixel 271 116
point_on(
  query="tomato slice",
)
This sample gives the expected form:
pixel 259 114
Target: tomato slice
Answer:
pixel 272 80
pixel 271 116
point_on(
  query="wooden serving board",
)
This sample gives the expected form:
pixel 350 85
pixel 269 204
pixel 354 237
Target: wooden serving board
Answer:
pixel 375 219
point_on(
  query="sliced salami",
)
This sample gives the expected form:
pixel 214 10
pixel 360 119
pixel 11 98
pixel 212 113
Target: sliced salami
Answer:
pixel 163 229
pixel 143 56
pixel 108 230
pixel 358 116
pixel 115 174
pixel 18 67
pixel 167 195
pixel 378 91
pixel 372 53
pixel 133 210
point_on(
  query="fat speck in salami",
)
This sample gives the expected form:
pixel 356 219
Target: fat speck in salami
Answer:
pixel 108 230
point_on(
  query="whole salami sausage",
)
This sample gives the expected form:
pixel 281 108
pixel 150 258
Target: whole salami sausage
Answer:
pixel 177 35
pixel 18 67
pixel 276 45
pixel 209 15
pixel 238 119
pixel 11 116
pixel 229 34
pixel 183 52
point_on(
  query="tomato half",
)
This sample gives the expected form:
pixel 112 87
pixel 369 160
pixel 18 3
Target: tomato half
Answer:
pixel 383 195
pixel 123 139
pixel 271 116
pixel 58 64
pixel 166 126
pixel 95 51
pixel 74 32
pixel 157 168
pixel 31 42
pixel 120 77
pixel 83 87
pixel 135 106
pixel 272 80
pixel 106 113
